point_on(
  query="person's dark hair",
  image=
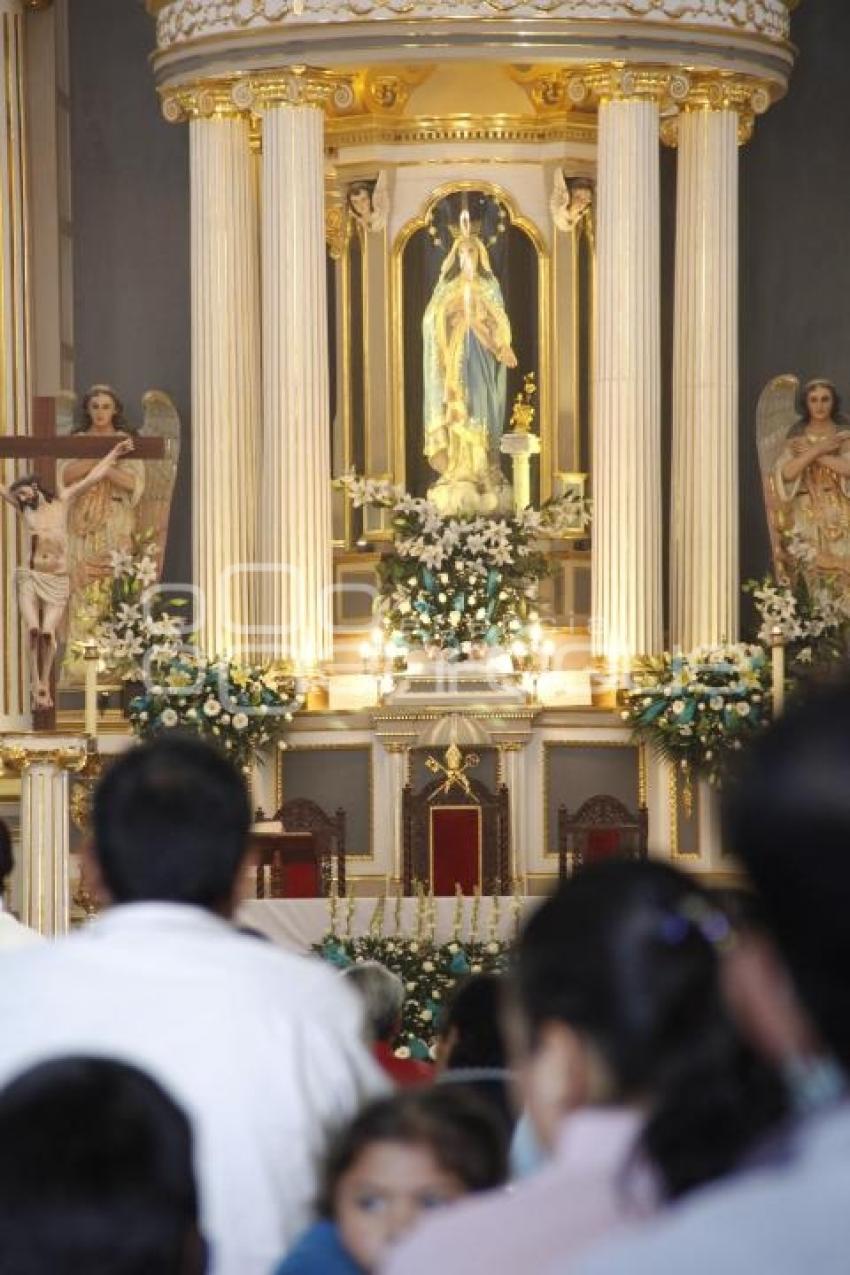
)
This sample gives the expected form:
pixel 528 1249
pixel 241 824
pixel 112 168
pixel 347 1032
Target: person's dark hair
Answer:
pixel 627 953
pixel 171 821
pixel 472 1014
pixel 457 1127
pixel 96 1174
pixel 31 480
pixel 787 818
pixel 119 422
pixel 7 859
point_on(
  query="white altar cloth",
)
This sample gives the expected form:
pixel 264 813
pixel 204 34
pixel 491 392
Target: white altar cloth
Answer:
pixel 296 924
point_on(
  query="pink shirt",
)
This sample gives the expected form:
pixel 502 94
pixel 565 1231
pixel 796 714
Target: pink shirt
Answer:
pixel 587 1192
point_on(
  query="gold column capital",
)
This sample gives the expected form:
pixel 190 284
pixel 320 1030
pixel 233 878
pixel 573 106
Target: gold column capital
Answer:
pixel 250 96
pixel 743 95
pixel 675 90
pixel 73 757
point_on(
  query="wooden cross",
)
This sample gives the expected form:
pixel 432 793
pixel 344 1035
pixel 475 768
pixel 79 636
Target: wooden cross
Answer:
pixel 43 448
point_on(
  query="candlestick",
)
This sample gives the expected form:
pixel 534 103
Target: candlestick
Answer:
pixel 778 669
pixel 90 657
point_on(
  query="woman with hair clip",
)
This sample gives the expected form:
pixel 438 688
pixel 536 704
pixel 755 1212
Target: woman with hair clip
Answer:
pixel 630 1069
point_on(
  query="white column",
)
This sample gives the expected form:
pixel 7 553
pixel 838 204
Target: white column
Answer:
pixel 627 587
pixel 295 516
pixel 45 891
pixel 398 756
pixel 225 380
pixel 14 350
pixel 515 779
pixel 704 585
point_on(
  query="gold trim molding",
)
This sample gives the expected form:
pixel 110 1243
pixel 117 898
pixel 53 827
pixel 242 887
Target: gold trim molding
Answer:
pixel 367 106
pixel 424 129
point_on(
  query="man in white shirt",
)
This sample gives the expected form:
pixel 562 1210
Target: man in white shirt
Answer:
pixel 788 820
pixel 12 932
pixel 262 1049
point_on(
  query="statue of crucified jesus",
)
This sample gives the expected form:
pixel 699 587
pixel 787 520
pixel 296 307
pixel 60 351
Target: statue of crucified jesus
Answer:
pixel 44 585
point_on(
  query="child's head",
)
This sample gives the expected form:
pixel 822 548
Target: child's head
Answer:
pixel 402 1157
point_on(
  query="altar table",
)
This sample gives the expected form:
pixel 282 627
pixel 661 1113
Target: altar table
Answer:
pixel 296 924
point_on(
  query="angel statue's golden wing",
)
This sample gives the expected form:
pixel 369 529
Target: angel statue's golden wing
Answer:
pixel 160 421
pixel 776 414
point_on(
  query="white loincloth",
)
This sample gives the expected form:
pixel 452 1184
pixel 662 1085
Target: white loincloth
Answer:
pixel 43 586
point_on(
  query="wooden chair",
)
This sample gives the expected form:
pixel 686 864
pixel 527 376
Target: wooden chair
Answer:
pixel 305 855
pixel 456 837
pixel 601 828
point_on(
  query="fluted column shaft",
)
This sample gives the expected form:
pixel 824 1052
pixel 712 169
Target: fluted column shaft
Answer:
pixel 45 848
pixel 295 514
pixel 225 381
pixel 704 585
pixel 14 352
pixel 627 588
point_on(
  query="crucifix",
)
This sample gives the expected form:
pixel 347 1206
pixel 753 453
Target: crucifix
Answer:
pixel 43 584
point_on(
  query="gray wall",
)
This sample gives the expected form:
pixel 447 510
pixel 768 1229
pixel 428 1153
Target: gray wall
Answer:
pixel 795 243
pixel 131 212
pixel 130 193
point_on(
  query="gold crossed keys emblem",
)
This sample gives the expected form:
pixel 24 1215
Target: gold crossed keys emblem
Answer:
pixel 454 769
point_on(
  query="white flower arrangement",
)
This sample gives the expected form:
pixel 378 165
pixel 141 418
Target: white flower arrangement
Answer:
pixel 132 630
pixel 242 709
pixel 457 585
pixel 812 620
pixel 698 709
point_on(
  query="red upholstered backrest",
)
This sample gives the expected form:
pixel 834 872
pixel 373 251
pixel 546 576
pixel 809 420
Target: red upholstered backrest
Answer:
pixel 298 866
pixel 602 843
pixel 455 848
pixel 287 866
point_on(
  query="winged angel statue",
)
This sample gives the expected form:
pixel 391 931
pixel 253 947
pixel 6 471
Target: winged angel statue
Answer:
pixel 804 454
pixel 369 202
pixel 134 500
pixel 571 201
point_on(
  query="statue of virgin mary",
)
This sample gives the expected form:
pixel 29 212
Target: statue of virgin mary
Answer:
pixel 467 351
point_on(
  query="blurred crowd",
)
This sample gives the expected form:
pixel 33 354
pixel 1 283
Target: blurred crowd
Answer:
pixel 657 1085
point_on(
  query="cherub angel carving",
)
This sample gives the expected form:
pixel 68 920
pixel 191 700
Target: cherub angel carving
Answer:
pixel 369 202
pixel 570 201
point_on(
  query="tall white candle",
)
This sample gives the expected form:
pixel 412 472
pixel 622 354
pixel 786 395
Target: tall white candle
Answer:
pixel 91 658
pixel 778 668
